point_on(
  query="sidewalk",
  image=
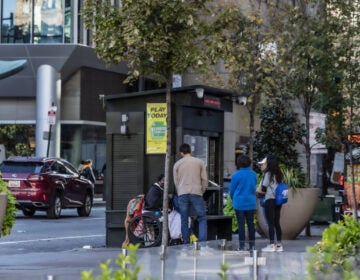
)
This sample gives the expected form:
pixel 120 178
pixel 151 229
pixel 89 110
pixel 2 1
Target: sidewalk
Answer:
pixel 98 200
pixel 182 261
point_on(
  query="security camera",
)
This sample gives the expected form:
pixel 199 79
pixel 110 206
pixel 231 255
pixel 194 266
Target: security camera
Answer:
pixel 242 100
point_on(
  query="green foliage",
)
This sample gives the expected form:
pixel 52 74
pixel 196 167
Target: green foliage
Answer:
pixel 230 211
pixel 306 57
pixel 341 103
pixel 154 38
pixel 22 149
pixel 223 273
pixel 294 178
pixel 11 210
pixel 280 130
pixel 336 256
pixel 129 270
pixel 248 54
pixel 16 139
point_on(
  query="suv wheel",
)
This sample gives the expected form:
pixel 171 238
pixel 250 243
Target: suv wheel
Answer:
pixel 54 211
pixel 86 209
pixel 28 212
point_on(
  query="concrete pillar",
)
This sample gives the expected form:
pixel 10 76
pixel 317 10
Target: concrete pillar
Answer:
pixel 46 97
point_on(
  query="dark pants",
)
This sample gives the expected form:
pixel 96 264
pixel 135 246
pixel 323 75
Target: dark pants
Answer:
pixel 248 216
pixel 272 212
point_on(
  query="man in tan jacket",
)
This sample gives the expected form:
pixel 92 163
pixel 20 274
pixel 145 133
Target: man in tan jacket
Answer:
pixel 190 179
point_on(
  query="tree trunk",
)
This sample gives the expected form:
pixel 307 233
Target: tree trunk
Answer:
pixel 353 192
pixel 251 136
pixel 165 227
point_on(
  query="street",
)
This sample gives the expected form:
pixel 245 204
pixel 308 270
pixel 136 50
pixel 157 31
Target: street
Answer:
pixel 40 234
pixel 41 249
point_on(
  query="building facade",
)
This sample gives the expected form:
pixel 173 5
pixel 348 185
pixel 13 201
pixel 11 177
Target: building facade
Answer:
pixel 51 33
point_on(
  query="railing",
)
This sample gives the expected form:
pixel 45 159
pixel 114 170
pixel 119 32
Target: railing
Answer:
pixel 204 260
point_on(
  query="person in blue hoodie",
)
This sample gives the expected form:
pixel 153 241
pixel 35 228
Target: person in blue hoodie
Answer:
pixel 243 195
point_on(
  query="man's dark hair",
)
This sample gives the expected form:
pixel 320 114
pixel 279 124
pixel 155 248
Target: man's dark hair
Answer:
pixel 160 177
pixel 185 149
pixel 243 161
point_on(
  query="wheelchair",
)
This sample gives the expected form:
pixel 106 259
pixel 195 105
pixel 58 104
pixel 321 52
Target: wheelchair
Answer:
pixel 146 229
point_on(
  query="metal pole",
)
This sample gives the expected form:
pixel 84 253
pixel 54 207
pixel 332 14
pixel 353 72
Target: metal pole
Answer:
pixel 49 138
pixel 255 268
pixel 162 268
pixel 125 253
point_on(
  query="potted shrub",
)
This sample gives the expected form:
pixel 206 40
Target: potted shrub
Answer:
pixel 230 211
pixel 296 213
pixel 8 209
pixel 336 256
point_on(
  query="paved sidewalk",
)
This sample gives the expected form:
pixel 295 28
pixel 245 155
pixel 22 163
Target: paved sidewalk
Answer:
pixel 182 262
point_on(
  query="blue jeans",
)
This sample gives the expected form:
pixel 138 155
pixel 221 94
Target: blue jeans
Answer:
pixel 186 201
pixel 248 216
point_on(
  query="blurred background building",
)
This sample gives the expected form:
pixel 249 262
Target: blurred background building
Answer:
pixel 51 32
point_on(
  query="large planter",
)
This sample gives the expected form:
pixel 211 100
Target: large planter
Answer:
pixel 295 214
pixel 3 202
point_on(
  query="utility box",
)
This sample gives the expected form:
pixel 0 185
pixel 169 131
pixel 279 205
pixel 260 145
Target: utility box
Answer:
pixel 324 210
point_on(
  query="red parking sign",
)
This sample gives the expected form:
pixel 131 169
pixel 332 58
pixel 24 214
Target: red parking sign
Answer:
pixel 52 116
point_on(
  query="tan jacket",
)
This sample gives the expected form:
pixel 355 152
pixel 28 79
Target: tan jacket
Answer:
pixel 190 176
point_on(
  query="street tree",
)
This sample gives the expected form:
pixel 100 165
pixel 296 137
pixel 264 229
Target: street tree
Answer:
pixel 306 58
pixel 249 55
pixel 156 39
pixel 346 24
pixel 280 131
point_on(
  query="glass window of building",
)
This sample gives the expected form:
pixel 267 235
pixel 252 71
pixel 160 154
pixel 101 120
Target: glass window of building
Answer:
pixel 16 21
pixel 81 142
pixel 35 21
pixel 48 21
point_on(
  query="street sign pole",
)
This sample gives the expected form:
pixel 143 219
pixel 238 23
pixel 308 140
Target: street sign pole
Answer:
pixel 51 121
pixel 48 146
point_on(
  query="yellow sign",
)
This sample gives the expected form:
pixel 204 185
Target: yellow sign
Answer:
pixel 156 133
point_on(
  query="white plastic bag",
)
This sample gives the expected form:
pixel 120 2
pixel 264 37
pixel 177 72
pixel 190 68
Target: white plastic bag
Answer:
pixel 175 224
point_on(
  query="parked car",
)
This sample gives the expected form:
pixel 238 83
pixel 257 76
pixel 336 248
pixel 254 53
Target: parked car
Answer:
pixel 47 184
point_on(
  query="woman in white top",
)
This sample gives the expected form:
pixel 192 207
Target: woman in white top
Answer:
pixel 272 177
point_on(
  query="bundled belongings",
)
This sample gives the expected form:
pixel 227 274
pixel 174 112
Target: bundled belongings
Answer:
pixel 134 208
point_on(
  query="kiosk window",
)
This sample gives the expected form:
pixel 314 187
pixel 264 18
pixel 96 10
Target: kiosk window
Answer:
pixel 199 147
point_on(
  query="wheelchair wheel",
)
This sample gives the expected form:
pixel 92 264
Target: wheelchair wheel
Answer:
pixel 146 230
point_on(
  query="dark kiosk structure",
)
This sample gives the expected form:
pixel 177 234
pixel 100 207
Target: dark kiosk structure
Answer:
pixel 136 147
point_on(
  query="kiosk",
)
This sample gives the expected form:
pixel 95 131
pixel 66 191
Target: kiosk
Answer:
pixel 136 147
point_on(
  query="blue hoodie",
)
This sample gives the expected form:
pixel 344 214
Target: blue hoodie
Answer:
pixel 242 189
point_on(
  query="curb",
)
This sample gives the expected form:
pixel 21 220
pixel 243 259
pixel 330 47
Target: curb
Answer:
pixel 99 202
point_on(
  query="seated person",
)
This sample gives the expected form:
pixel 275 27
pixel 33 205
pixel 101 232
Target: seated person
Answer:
pixel 154 197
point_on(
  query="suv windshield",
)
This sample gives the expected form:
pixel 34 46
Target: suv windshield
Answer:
pixel 21 167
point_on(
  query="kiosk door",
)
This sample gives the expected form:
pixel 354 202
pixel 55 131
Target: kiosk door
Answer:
pixel 207 148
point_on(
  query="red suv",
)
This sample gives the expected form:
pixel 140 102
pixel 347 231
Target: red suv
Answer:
pixel 47 184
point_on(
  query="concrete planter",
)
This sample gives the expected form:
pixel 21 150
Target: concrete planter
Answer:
pixel 3 202
pixel 295 214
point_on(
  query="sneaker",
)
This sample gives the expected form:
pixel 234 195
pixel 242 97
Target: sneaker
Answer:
pixel 279 248
pixel 269 248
